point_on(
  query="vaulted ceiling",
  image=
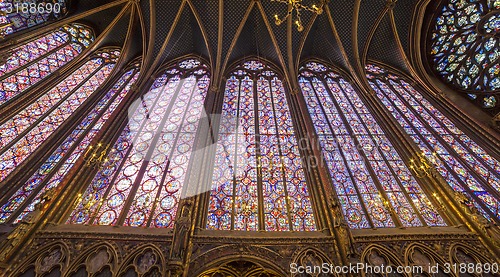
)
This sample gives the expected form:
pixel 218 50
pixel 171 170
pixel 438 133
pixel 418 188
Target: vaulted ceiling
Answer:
pixel 346 34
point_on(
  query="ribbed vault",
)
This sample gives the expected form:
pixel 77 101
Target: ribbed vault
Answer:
pixel 222 31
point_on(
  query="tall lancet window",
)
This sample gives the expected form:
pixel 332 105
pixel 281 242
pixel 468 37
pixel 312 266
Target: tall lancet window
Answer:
pixel 465 45
pixel 465 166
pixel 369 176
pixel 258 181
pixel 18 15
pixel 142 181
pixel 22 133
pixel 31 62
pixel 52 171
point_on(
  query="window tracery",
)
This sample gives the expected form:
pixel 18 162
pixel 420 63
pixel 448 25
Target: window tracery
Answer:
pixel 258 169
pixel 370 178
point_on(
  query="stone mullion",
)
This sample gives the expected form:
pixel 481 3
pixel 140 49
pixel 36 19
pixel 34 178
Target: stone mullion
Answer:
pixel 23 100
pixel 315 184
pixel 280 153
pixel 235 166
pixel 51 81
pixel 51 208
pixel 453 153
pixel 258 155
pixel 200 177
pixel 50 110
pixel 15 71
pixel 82 174
pixel 88 108
pixel 342 154
pixel 385 160
pixel 431 189
pixel 484 138
pixel 213 103
pixel 142 170
pixel 471 129
pixel 190 161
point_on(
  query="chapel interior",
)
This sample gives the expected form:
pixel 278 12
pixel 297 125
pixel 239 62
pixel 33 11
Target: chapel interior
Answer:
pixel 248 138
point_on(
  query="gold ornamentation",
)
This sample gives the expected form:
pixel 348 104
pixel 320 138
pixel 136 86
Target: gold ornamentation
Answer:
pixel 422 166
pixel 298 7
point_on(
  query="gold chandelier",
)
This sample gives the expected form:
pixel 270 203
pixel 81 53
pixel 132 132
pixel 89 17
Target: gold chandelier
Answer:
pixel 298 7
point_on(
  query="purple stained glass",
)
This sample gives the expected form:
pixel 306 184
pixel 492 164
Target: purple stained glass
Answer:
pixel 20 15
pixel 35 60
pixel 453 153
pixel 24 132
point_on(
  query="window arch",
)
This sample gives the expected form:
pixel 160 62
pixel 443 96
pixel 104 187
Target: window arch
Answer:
pixel 258 171
pixel 141 183
pixel 24 132
pixel 465 166
pixel 61 161
pixel 369 176
pixel 464 48
pixel 34 60
pixel 18 15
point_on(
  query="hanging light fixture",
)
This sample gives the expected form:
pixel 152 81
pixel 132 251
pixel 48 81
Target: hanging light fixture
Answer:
pixel 298 7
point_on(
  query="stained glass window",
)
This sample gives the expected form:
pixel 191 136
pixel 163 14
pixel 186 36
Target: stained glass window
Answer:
pixel 141 183
pixel 33 61
pixel 465 48
pixel 22 133
pixel 258 168
pixel 369 176
pixel 50 174
pixel 465 166
pixel 16 15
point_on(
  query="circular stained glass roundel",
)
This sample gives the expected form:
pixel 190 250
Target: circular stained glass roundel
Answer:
pixel 465 47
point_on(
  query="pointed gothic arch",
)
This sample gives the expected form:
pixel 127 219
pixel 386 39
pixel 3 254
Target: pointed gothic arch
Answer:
pixel 258 182
pixel 142 187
